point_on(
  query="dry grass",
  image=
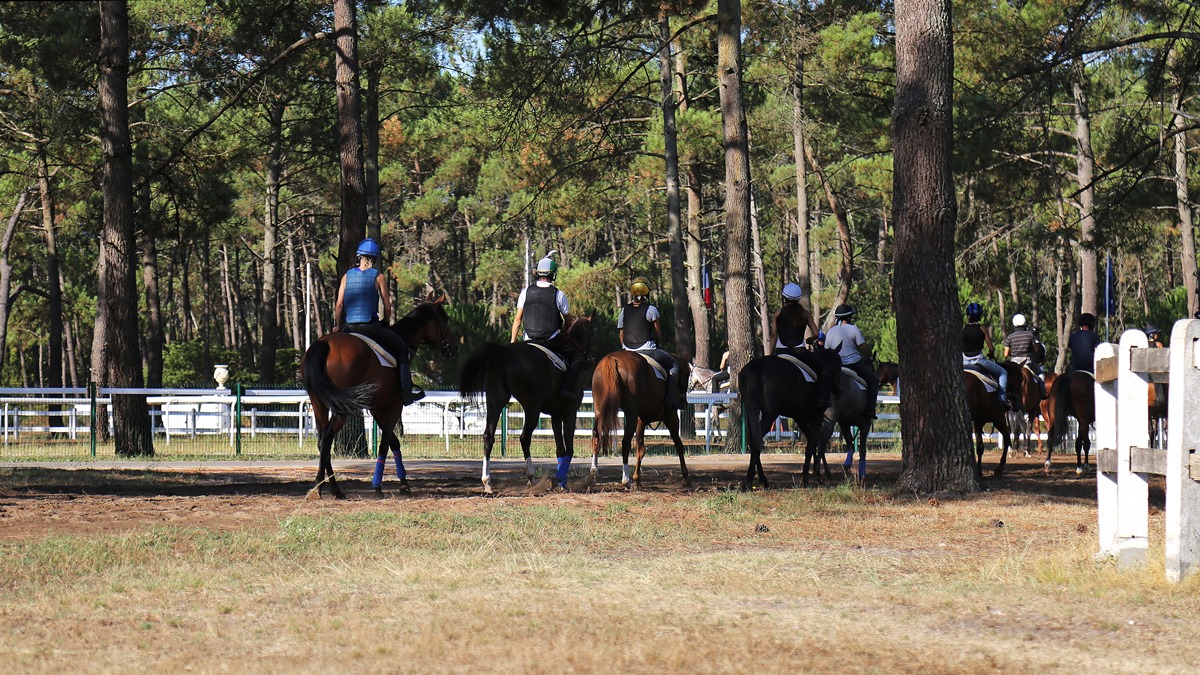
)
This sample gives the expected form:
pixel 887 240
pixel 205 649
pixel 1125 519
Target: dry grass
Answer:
pixel 823 580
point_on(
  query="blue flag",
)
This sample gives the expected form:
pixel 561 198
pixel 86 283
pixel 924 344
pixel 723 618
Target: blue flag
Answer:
pixel 1110 289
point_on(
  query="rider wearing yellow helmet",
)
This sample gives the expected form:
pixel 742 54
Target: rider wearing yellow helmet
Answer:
pixel 639 330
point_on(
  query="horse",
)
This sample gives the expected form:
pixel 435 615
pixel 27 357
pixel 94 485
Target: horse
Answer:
pixel 851 409
pixel 889 373
pixel 1073 393
pixel 770 386
pixel 985 408
pixel 627 381
pixel 1025 393
pixel 343 375
pixel 523 371
pixel 713 381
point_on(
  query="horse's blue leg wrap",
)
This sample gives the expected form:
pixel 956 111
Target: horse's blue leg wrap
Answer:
pixel 377 479
pixel 564 465
pixel 862 468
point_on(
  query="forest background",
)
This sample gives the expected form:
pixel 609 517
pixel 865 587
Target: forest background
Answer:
pixel 492 135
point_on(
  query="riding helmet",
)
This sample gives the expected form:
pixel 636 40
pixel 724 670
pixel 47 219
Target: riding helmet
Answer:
pixel 1018 320
pixel 640 288
pixel 368 247
pixel 1151 329
pixel 843 311
pixel 546 267
pixel 974 311
pixel 792 292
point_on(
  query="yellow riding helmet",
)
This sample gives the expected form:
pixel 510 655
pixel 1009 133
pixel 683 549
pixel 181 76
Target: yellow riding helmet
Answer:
pixel 640 288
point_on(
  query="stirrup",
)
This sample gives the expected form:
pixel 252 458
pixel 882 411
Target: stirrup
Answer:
pixel 415 394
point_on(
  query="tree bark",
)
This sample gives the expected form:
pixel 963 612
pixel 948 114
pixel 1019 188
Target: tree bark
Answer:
pixel 115 358
pixel 268 312
pixel 371 154
pixel 760 277
pixel 1085 161
pixel 1183 200
pixel 798 145
pixel 846 270
pixel 353 223
pixel 684 339
pixel 54 283
pixel 695 237
pixel 937 448
pixel 738 300
pixel 6 272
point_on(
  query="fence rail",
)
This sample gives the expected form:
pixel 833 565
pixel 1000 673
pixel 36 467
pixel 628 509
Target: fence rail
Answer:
pixel 46 423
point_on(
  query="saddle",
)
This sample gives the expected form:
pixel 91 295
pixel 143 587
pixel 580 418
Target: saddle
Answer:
pixel 808 372
pixel 659 371
pixel 385 357
pixel 989 384
pixel 855 378
pixel 555 360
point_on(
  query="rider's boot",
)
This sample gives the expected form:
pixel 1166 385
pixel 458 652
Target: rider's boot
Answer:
pixel 825 388
pixel 672 398
pixel 409 392
pixel 570 379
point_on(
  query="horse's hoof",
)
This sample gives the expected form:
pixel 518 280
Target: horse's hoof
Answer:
pixel 404 486
pixel 1079 471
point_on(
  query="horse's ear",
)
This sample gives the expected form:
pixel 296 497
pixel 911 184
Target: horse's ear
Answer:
pixel 441 299
pixel 592 315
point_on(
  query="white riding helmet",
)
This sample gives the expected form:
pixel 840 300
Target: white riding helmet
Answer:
pixel 792 292
pixel 1018 320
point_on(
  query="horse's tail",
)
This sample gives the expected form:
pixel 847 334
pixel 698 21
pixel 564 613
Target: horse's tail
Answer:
pixel 1060 402
pixel 476 371
pixel 606 400
pixel 339 402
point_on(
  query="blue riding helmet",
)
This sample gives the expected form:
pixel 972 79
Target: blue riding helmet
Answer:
pixel 368 247
pixel 974 311
pixel 792 292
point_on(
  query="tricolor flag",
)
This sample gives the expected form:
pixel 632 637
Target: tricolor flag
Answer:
pixel 706 284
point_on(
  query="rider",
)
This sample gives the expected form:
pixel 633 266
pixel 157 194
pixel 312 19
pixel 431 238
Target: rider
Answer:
pixel 1019 348
pixel 542 307
pixel 787 337
pixel 1153 335
pixel 361 290
pixel 974 337
pixel 639 331
pixel 847 340
pixel 1083 343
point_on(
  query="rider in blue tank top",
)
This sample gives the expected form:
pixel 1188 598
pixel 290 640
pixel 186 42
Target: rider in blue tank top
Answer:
pixel 360 293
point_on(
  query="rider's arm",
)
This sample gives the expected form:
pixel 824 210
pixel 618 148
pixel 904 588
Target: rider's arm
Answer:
pixel 774 334
pixel 987 337
pixel 381 288
pixel 812 326
pixel 516 324
pixel 338 306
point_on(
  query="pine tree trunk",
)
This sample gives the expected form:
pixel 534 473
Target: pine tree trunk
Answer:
pixel 846 270
pixel 269 307
pixel 54 298
pixel 353 222
pixel 738 298
pixel 6 273
pixel 684 338
pixel 116 361
pixel 937 447
pixel 1183 200
pixel 798 144
pixel 1085 161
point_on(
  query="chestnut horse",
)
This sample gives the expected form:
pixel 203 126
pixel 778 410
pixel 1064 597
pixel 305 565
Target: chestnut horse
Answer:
pixel 1073 393
pixel 625 380
pixel 343 375
pixel 985 408
pixel 523 371
pixel 769 387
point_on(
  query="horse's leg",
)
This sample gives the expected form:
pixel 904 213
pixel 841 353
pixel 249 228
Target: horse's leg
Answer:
pixel 979 451
pixel 325 434
pixel 672 421
pixel 1006 440
pixel 640 434
pixel 564 434
pixel 864 432
pixel 754 433
pixel 531 422
pixel 494 409
pixel 626 445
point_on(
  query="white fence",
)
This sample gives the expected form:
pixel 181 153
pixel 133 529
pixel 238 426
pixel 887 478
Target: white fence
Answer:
pixel 1123 375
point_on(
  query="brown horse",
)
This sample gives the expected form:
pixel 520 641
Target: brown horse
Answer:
pixel 523 371
pixel 342 376
pixel 985 408
pixel 1025 393
pixel 1073 393
pixel 625 380
pixel 889 374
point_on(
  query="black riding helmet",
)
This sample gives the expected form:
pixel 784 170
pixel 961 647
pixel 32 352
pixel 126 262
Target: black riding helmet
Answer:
pixel 1087 319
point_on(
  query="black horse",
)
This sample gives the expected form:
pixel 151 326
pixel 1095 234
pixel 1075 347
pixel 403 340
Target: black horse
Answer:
pixel 770 387
pixel 523 371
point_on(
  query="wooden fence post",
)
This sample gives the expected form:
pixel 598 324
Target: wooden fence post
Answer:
pixel 1106 447
pixel 1182 546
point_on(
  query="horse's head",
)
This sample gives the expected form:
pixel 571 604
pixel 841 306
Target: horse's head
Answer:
pixel 429 324
pixel 580 330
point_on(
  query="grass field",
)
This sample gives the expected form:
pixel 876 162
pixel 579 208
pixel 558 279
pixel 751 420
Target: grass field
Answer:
pixel 166 571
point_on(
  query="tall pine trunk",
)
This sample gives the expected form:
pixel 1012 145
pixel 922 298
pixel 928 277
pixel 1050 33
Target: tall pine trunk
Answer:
pixel 937 449
pixel 353 222
pixel 684 340
pixel 1183 201
pixel 1085 169
pixel 268 312
pixel 115 358
pixel 798 145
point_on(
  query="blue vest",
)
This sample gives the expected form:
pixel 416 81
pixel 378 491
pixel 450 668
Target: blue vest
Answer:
pixel 361 299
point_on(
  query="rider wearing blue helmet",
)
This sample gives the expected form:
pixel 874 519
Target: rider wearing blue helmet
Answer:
pixel 788 329
pixel 356 310
pixel 974 337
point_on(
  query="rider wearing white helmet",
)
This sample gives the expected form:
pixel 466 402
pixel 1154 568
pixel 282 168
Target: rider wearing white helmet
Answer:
pixel 1021 345
pixel 787 337
pixel 356 310
pixel 542 308
pixel 639 331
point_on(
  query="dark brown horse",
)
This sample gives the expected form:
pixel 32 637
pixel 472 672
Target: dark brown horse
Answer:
pixel 1073 393
pixel 770 387
pixel 889 374
pixel 985 408
pixel 1025 393
pixel 343 376
pixel 851 413
pixel 625 380
pixel 524 372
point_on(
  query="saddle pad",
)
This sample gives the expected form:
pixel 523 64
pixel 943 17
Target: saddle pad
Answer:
pixel 659 371
pixel 555 360
pixel 808 373
pixel 989 385
pixel 385 359
pixel 855 378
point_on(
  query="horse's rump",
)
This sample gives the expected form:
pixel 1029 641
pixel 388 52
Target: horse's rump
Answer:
pixel 314 372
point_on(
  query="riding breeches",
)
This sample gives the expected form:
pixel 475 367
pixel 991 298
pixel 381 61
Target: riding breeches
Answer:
pixel 385 336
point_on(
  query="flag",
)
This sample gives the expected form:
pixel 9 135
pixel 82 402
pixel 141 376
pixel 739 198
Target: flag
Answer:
pixel 1110 289
pixel 706 284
